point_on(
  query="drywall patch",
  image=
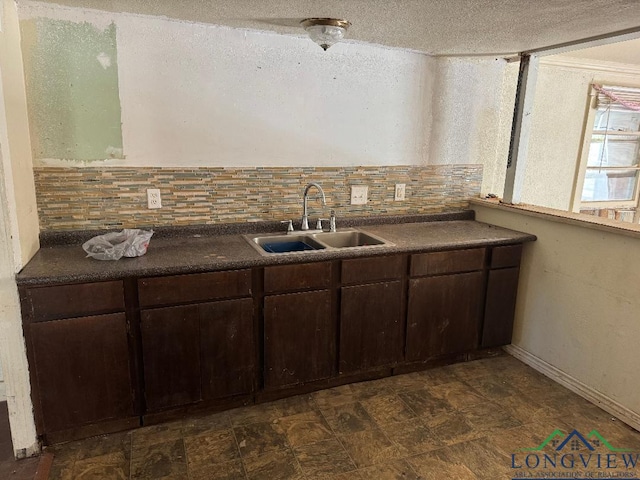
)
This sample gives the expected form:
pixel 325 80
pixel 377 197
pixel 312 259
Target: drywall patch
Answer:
pixel 72 89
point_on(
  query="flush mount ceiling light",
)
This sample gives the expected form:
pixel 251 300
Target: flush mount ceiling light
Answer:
pixel 325 31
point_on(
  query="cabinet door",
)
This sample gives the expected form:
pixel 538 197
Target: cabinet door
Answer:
pixel 500 307
pixel 227 348
pixel 371 327
pixel 443 315
pixel 171 356
pixel 197 352
pixel 299 338
pixel 82 370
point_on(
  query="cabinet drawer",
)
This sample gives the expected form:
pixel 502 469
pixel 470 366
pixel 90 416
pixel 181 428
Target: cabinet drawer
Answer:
pixel 68 301
pixel 508 256
pixel 297 277
pixel 455 261
pixel 365 270
pixel 198 287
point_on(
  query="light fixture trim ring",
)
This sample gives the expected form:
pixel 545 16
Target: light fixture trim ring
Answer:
pixel 334 22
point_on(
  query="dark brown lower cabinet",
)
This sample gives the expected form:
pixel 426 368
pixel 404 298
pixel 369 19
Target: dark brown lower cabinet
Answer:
pixel 299 338
pixel 350 317
pixel 500 307
pixel 443 315
pixel 371 326
pixel 197 352
pixel 82 370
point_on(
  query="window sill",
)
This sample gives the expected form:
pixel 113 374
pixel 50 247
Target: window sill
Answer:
pixel 560 216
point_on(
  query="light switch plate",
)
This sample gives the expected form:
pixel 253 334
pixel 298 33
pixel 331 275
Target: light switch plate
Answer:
pixel 400 191
pixel 153 198
pixel 359 194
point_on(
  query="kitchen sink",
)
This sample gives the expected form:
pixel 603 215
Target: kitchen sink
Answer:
pixel 348 239
pixel 286 243
pixel 308 242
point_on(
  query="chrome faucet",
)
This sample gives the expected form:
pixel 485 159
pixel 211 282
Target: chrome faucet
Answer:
pixel 305 216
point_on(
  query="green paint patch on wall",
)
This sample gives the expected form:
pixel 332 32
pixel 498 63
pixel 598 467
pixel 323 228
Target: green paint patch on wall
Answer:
pixel 71 75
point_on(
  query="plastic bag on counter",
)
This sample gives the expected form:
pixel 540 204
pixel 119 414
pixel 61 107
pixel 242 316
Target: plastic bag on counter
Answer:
pixel 115 245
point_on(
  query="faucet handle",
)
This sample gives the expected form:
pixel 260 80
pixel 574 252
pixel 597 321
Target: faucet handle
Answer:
pixel 319 223
pixel 289 225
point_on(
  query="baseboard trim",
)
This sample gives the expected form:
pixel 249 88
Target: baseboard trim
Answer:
pixel 44 466
pixel 628 416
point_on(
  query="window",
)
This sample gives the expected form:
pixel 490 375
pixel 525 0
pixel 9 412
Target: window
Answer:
pixel 609 173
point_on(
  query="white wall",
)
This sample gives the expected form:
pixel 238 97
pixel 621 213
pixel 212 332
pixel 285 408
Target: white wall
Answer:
pixel 195 94
pixel 578 302
pixel 205 95
pixel 466 104
pixel 473 102
pixel 559 109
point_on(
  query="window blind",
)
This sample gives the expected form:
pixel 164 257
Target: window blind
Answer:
pixel 617 97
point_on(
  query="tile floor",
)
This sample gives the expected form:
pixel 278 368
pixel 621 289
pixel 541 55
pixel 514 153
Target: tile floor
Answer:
pixel 462 421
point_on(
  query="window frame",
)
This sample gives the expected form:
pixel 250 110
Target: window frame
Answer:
pixel 588 132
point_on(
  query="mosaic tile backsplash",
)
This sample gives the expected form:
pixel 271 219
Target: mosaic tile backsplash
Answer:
pixel 115 197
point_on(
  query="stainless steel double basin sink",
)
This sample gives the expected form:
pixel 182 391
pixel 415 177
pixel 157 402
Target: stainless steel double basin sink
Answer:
pixel 300 242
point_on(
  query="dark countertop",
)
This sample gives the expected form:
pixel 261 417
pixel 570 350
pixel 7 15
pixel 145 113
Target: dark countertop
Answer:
pixel 207 251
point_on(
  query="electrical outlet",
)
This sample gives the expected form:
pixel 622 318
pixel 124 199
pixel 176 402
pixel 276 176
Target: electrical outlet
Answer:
pixel 400 191
pixel 153 198
pixel 359 194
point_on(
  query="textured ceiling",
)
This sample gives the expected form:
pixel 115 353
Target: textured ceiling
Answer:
pixel 440 27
